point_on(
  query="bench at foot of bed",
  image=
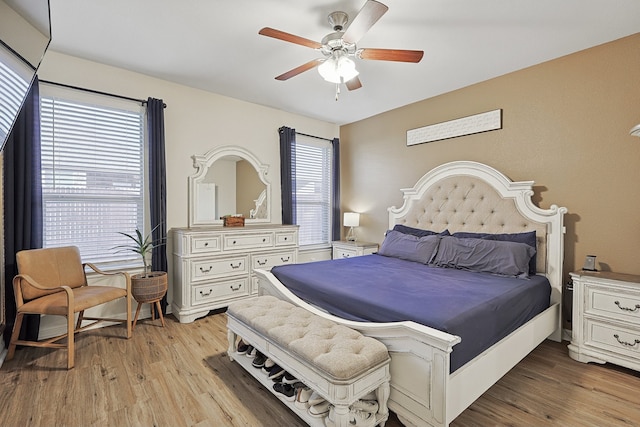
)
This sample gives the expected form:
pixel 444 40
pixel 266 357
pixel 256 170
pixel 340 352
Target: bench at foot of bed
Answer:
pixel 337 362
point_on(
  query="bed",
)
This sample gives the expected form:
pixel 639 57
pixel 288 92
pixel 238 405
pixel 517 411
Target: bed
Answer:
pixel 430 384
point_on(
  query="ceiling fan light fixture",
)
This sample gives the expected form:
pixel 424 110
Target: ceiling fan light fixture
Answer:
pixel 339 68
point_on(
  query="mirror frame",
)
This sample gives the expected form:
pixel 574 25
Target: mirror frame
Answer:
pixel 203 162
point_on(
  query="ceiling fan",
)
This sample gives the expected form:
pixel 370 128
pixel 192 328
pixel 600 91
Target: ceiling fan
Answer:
pixel 339 47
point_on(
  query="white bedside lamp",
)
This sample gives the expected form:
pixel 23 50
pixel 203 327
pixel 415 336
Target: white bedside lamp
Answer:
pixel 351 219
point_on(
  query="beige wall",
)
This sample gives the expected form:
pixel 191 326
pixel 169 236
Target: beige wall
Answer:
pixel 195 122
pixel 565 125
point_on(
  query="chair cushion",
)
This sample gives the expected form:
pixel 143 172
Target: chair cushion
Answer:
pixel 84 297
pixel 50 268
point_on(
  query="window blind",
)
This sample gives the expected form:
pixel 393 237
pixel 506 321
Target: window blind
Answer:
pixel 313 190
pixel 12 89
pixel 92 176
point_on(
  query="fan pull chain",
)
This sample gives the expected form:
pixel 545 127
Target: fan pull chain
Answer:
pixel 337 91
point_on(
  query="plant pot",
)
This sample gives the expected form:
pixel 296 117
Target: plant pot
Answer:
pixel 149 288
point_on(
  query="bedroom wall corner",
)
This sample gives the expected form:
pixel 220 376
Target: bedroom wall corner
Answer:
pixel 566 126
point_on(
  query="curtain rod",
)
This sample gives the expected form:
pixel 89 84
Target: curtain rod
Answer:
pixel 313 136
pixel 141 101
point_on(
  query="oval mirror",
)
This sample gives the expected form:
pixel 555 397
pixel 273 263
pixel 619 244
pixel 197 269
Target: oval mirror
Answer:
pixel 228 181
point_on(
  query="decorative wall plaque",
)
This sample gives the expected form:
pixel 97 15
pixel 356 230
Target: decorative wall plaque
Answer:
pixel 483 122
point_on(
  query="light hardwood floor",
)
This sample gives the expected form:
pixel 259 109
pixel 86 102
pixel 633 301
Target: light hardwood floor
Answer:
pixel 180 376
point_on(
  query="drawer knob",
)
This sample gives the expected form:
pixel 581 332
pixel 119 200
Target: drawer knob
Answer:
pixel 207 270
pixel 286 238
pixel 206 294
pixel 235 266
pixel 234 242
pixel 633 310
pixel 206 243
pixel 264 239
pixel 628 344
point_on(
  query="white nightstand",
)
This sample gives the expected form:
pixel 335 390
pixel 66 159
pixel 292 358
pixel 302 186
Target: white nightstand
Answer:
pixel 346 249
pixel 606 318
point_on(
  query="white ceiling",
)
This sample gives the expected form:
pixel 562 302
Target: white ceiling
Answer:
pixel 214 44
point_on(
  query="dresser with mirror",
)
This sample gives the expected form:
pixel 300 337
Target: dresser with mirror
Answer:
pixel 214 264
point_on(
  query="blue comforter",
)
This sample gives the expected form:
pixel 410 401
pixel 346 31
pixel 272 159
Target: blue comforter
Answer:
pixel 480 308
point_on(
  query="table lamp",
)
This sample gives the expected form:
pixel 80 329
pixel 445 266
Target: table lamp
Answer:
pixel 351 219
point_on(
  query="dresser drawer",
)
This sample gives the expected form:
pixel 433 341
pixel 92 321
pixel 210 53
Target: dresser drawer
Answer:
pixel 620 340
pixel 227 289
pixel 287 238
pixel 268 260
pixel 205 244
pixel 248 241
pixel 218 267
pixel 612 304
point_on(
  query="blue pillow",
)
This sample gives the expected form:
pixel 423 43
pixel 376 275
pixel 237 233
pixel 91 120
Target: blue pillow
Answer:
pixel 408 247
pixel 490 256
pixel 528 237
pixel 418 231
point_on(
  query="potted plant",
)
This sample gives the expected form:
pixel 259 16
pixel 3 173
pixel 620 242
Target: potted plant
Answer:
pixel 147 286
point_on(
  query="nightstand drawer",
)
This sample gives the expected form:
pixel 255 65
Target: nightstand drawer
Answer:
pixel 339 253
pixel 616 339
pixel 612 304
pixel 220 290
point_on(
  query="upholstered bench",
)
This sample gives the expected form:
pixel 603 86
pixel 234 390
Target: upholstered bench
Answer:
pixel 339 363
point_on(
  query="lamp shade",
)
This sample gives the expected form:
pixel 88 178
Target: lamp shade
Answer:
pixel 635 131
pixel 339 68
pixel 351 219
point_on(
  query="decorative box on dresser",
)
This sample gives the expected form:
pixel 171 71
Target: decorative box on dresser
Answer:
pixel 213 266
pixel 606 318
pixel 348 249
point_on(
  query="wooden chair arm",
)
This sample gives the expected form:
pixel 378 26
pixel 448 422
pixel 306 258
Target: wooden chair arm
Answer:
pixel 127 276
pixel 31 281
pixel 17 289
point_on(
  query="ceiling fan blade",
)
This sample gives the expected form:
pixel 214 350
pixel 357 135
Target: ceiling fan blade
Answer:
pixel 354 83
pixel 391 55
pixel 281 35
pixel 368 15
pixel 301 69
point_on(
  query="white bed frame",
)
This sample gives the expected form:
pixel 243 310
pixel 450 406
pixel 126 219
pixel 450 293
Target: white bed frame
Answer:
pixel 459 196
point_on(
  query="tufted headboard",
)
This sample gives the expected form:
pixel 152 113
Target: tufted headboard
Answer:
pixel 471 196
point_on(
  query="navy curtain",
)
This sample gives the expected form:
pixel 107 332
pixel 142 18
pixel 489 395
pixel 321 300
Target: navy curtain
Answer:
pixel 22 204
pixel 157 187
pixel 288 174
pixel 335 201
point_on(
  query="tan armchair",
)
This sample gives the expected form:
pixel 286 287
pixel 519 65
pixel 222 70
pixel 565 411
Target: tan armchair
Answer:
pixel 53 281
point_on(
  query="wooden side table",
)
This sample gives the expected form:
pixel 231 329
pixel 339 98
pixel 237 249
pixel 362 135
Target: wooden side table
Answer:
pixel 348 249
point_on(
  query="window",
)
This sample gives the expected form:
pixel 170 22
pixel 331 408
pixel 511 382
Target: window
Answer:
pixel 12 90
pixel 92 172
pixel 313 184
